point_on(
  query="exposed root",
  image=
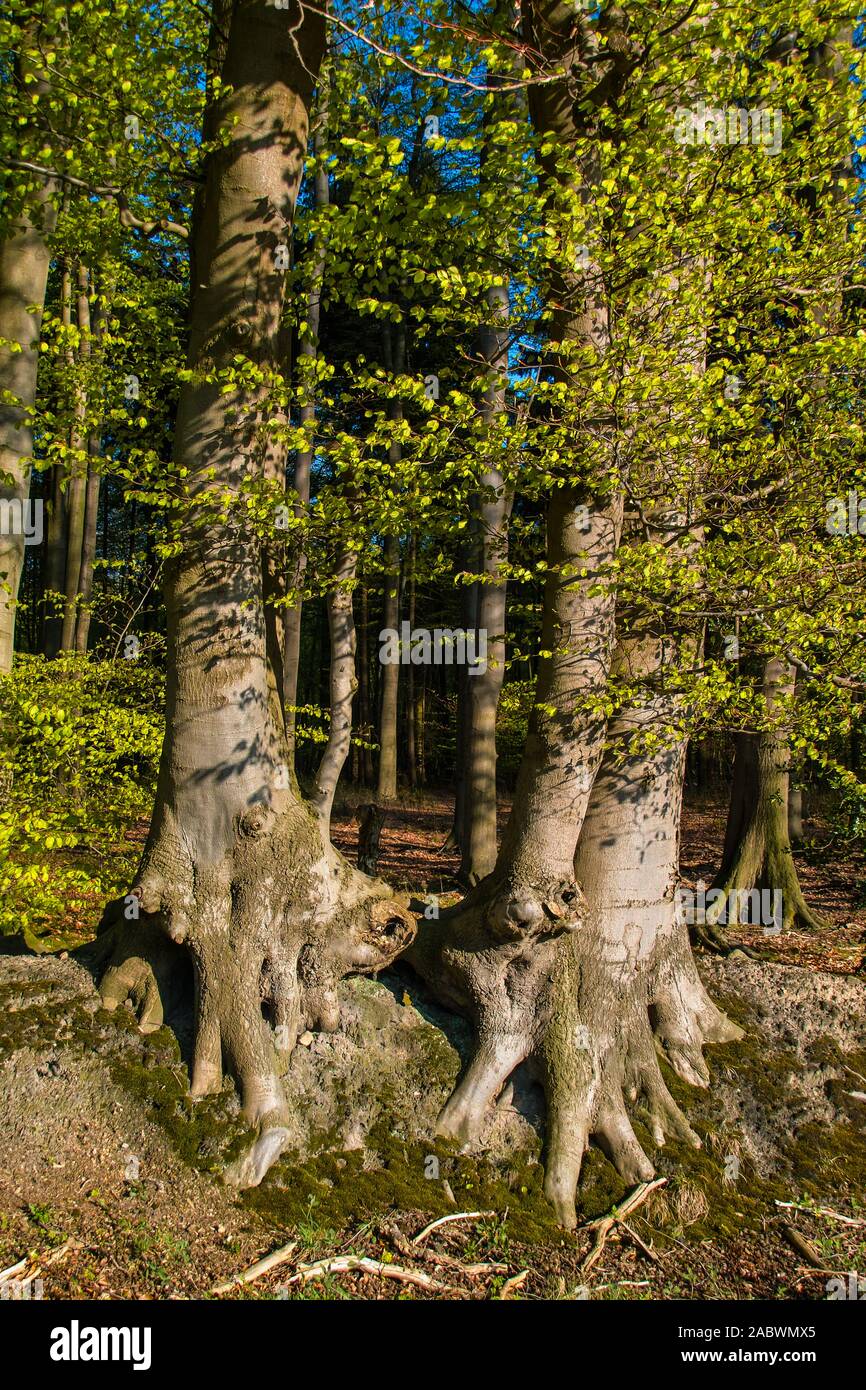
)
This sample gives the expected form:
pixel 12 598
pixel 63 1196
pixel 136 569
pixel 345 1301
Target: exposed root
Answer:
pixel 762 886
pixel 138 963
pixel 711 938
pixel 591 1024
pixel 267 934
pixel 249 1169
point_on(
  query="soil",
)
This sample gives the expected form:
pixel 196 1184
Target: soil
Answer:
pixel 110 1181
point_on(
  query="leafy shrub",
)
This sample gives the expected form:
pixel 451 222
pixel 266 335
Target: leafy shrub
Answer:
pixel 79 751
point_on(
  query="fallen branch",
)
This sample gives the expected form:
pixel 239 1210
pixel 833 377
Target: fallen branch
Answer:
pixel 452 1216
pixel 347 1264
pixel 515 1282
pixel 803 1247
pixel 603 1225
pixel 647 1250
pixel 277 1257
pixel 624 1284
pixel 13 1270
pixel 824 1211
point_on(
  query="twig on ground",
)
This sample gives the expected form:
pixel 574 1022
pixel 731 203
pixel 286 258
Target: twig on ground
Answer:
pixel 603 1225
pixel 347 1264
pixel 824 1211
pixel 803 1247
pixel 515 1282
pixel 277 1257
pixel 452 1216
pixel 647 1249
pixel 624 1284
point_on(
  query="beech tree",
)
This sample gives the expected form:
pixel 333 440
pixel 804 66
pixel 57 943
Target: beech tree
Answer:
pixel 619 317
pixel 237 871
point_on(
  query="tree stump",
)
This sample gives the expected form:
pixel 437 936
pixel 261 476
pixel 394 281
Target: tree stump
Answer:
pixel 372 820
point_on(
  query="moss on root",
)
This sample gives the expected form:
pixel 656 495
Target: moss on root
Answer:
pixel 390 1175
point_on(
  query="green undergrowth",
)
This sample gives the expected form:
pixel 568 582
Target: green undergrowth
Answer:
pixel 79 750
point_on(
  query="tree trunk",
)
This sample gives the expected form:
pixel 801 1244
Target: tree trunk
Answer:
pixel 627 982
pixel 418 726
pixel 483 687
pixel 309 348
pixel 389 674
pixel 389 677
pixel 91 504
pixel 411 739
pixel 24 262
pixel 237 873
pixel 88 548
pixel 343 684
pixel 369 832
pixel 757 862
pixel 542 977
pixel 495 955
pixel 363 771
pixel 77 496
pixel 463 733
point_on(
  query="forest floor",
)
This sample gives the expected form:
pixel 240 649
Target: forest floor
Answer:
pixel 109 1176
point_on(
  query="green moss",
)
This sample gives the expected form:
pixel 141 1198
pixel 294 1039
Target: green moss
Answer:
pixel 333 1190
pixel 206 1133
pixel 391 1174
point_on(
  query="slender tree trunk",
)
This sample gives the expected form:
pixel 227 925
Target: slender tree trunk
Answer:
pixel 463 731
pixel 58 520
pixel 389 675
pixel 91 501
pixel 24 262
pixel 88 548
pixel 411 735
pixel 55 565
pixel 343 684
pixel 237 874
pixel 77 498
pixel 757 853
pixel 309 348
pixel 484 686
pixel 364 773
pixel 418 727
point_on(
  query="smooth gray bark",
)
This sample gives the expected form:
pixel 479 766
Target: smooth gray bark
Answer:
pixel 24 261
pixel 237 874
